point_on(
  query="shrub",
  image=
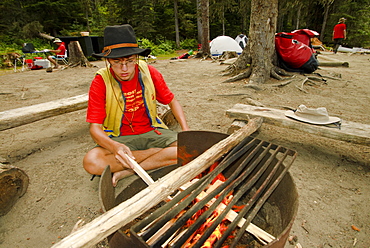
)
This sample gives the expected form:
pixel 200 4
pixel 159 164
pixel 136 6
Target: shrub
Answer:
pixel 189 44
pixel 165 47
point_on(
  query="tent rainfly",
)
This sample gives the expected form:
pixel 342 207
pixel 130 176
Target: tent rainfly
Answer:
pixel 222 44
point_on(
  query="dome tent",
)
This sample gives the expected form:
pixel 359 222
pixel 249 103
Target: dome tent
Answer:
pixel 222 44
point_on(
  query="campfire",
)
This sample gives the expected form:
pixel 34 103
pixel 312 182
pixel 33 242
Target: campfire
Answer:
pixel 231 204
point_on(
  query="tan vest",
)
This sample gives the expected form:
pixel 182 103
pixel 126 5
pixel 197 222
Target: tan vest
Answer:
pixel 113 120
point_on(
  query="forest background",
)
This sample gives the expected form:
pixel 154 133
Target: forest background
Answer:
pixel 167 25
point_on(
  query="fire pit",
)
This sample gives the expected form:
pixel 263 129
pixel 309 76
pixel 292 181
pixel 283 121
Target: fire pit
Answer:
pixel 249 195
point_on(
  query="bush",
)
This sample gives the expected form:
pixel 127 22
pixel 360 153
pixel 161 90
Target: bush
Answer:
pixel 189 44
pixel 165 47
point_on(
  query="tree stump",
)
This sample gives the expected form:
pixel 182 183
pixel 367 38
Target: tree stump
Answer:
pixel 13 185
pixel 76 56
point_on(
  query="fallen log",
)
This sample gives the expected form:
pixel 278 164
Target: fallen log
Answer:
pixel 46 36
pixel 333 63
pixel 350 131
pixel 329 61
pixel 13 185
pixel 127 211
pixel 25 115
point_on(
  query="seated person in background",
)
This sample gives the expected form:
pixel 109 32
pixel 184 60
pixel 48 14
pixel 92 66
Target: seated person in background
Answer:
pixel 122 110
pixel 61 50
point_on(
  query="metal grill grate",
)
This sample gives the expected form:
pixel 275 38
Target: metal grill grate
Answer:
pixel 253 169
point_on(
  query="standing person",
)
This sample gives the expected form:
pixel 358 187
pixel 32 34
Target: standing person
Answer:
pixel 122 110
pixel 61 50
pixel 339 33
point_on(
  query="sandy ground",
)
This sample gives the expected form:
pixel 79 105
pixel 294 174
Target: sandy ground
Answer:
pixel 332 177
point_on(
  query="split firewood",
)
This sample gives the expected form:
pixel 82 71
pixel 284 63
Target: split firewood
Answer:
pixel 170 223
pixel 173 241
pixel 257 232
pixel 161 231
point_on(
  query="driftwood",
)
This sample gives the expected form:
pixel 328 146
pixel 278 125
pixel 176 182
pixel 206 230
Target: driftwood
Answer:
pixel 13 185
pixel 350 131
pixel 46 36
pixel 328 61
pixel 333 63
pixel 127 211
pixel 25 115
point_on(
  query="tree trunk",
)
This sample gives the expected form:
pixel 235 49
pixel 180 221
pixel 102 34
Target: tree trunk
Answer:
pixel 298 16
pixel 260 49
pixel 175 6
pixel 204 6
pixel 326 13
pixel 13 185
pixel 76 57
pixel 199 22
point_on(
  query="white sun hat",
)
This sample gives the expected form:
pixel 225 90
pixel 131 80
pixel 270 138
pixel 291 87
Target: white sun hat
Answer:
pixel 317 116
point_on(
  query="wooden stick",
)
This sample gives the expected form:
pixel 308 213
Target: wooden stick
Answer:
pixel 109 222
pixel 140 171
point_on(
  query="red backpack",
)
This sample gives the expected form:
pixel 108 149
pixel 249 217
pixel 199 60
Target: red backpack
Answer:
pixel 293 54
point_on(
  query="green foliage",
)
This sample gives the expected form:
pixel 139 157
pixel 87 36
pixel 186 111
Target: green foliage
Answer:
pixel 154 19
pixel 163 47
pixel 31 30
pixel 189 44
pixel 74 29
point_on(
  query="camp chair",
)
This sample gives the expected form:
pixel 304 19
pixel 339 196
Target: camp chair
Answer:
pixel 62 58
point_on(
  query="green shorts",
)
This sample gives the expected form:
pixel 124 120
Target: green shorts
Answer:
pixel 151 139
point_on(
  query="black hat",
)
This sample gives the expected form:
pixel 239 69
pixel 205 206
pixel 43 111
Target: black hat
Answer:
pixel 120 41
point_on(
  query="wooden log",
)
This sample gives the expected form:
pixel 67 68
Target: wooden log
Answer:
pixel 236 125
pixel 46 36
pixel 13 185
pixel 350 131
pixel 127 211
pixel 333 63
pixel 25 115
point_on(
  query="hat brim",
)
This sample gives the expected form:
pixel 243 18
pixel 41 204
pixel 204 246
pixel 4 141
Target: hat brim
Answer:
pixel 123 52
pixel 291 114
